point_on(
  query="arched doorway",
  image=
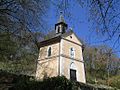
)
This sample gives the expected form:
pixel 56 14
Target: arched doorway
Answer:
pixel 73 72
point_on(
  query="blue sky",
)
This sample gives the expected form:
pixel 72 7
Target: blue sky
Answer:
pixel 79 22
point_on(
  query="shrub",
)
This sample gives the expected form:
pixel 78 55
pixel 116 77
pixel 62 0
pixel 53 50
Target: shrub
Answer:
pixel 115 81
pixel 54 83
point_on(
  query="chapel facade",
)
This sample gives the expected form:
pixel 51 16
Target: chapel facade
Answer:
pixel 61 55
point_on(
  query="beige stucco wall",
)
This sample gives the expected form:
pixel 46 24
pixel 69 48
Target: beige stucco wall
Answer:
pixel 54 51
pixel 74 38
pixel 66 45
pixel 66 60
pixel 48 66
pixel 79 68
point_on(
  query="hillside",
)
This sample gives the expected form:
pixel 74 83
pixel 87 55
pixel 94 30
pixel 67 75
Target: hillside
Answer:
pixel 9 81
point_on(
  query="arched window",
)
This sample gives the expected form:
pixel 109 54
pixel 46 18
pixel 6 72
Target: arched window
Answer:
pixel 72 52
pixel 49 51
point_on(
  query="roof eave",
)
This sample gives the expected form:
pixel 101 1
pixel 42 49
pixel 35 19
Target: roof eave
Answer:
pixel 49 41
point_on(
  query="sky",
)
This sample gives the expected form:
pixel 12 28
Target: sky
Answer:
pixel 79 22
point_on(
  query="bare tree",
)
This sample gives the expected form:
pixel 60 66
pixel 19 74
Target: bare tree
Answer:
pixel 21 26
pixel 104 14
pixel 23 18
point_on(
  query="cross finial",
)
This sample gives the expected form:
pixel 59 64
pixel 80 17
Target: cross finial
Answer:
pixel 61 19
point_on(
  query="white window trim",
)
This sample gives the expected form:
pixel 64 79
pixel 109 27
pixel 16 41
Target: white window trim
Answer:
pixel 74 52
pixel 70 53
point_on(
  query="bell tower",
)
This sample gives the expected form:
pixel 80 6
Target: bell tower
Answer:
pixel 61 26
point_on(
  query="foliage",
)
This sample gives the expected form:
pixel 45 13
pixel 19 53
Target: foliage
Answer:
pixel 55 83
pixel 16 58
pixel 115 81
pixel 7 46
pixel 100 65
pixel 103 14
pixel 23 82
pixel 21 25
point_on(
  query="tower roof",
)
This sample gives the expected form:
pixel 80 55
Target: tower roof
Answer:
pixel 61 19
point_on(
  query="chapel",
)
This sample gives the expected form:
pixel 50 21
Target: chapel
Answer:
pixel 61 54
